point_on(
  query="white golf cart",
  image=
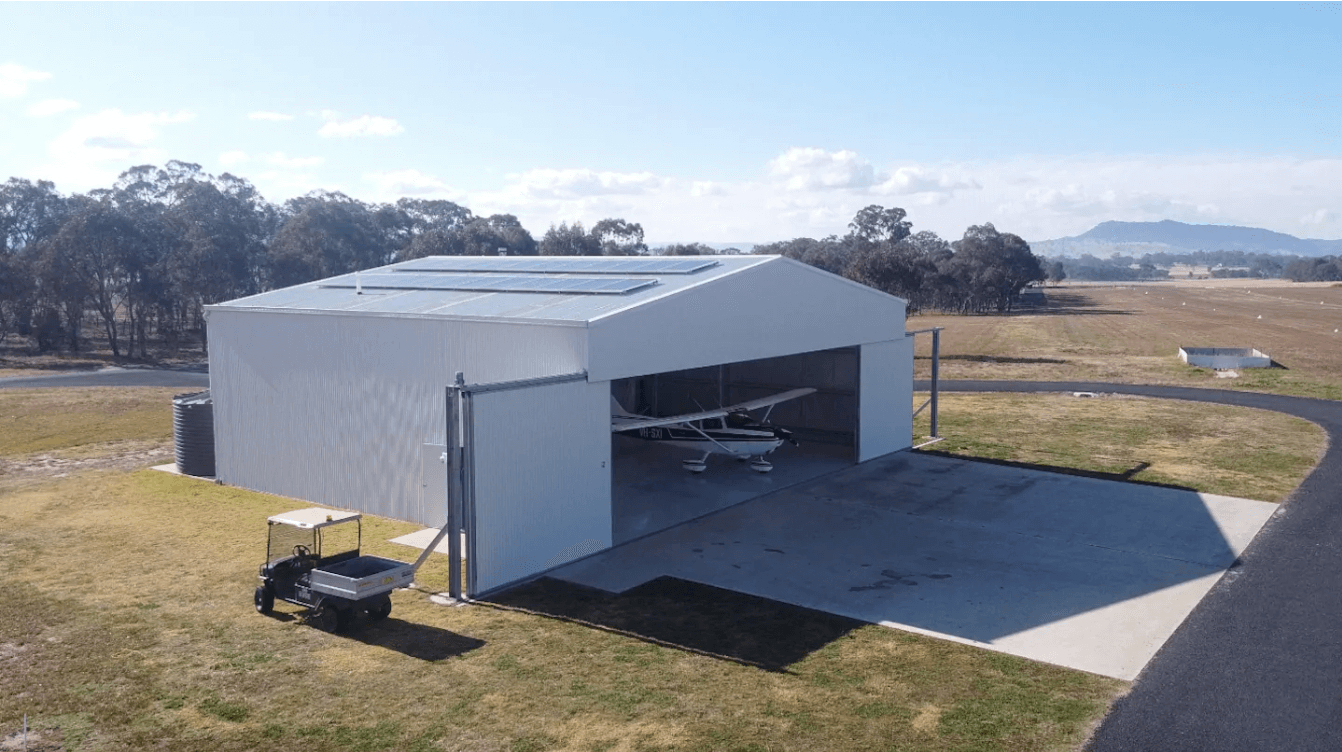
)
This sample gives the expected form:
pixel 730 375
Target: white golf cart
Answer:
pixel 313 560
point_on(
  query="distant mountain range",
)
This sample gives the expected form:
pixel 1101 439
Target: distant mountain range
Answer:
pixel 1137 238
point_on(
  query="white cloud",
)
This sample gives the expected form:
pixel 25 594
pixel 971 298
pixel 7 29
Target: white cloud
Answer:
pixel 14 79
pixel 280 159
pixel 364 125
pixel 273 116
pixel 279 185
pixel 52 107
pixel 571 184
pixel 1037 198
pixel 809 169
pixel 233 158
pixel 1319 216
pixel 400 183
pixel 112 134
pixel 95 148
pixel 910 180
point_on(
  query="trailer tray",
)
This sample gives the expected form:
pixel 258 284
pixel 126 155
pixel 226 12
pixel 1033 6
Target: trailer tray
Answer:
pixel 362 577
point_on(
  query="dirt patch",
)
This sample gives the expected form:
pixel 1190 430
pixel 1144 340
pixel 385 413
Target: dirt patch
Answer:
pixel 36 740
pixel 26 470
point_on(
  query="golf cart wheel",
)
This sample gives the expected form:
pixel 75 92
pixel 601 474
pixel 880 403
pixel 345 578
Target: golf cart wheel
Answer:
pixel 381 610
pixel 265 600
pixel 327 618
pixel 344 617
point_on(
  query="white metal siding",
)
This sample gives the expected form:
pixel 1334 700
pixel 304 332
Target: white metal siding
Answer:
pixel 541 474
pixel 885 398
pixel 778 308
pixel 335 408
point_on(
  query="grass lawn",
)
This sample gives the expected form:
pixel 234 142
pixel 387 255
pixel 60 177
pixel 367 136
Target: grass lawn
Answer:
pixel 1233 451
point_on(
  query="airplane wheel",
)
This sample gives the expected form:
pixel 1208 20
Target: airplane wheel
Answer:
pixel 761 466
pixel 694 466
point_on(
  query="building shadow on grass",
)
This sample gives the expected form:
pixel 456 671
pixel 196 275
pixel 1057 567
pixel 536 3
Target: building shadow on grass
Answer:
pixel 1125 476
pixel 688 616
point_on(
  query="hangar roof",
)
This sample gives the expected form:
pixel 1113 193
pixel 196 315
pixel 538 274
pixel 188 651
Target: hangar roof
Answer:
pixel 531 289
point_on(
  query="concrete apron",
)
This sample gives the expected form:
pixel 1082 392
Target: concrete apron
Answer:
pixel 1089 574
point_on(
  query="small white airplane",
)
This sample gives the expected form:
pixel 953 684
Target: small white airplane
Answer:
pixel 726 430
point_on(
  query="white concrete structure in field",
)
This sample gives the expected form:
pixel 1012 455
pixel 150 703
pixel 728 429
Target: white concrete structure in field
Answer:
pixel 336 391
pixel 1225 358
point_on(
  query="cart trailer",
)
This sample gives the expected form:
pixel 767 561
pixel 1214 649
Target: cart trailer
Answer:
pixel 313 559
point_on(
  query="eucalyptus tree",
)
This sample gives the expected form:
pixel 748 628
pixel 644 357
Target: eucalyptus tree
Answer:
pixel 616 237
pixel 569 240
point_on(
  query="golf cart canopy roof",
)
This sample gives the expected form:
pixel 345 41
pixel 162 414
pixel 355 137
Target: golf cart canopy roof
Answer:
pixel 313 517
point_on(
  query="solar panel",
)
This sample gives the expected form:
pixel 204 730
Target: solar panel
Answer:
pixel 490 283
pixel 557 265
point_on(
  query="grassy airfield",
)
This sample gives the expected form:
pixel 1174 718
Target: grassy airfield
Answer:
pixel 1132 334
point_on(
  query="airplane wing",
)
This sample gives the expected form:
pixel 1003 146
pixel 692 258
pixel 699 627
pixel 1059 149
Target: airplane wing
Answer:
pixel 629 423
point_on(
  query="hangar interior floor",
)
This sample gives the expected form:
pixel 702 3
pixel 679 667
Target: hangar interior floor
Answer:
pixel 650 491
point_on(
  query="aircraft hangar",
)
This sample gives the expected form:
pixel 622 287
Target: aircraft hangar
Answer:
pixel 343 392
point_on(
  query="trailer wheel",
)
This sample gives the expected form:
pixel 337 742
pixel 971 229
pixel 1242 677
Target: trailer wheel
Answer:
pixel 265 600
pixel 326 617
pixel 380 611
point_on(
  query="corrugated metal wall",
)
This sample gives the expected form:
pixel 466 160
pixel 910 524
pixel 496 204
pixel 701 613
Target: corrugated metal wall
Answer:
pixel 885 398
pixel 540 477
pixel 778 308
pixel 335 409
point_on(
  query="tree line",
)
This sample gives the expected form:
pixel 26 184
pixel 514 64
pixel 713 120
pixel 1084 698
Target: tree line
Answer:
pixel 1221 264
pixel 984 271
pixel 139 260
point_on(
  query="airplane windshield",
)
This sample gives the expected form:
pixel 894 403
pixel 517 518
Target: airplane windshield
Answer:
pixel 738 420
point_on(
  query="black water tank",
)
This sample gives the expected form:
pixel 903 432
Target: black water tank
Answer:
pixel 193 433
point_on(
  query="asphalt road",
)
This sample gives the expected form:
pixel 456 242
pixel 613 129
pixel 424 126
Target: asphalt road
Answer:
pixel 112 377
pixel 1258 664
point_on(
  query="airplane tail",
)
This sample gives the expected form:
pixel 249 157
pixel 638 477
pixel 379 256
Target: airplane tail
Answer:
pixel 617 410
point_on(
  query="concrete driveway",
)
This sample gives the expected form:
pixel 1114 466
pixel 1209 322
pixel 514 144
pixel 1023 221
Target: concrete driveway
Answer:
pixel 1084 573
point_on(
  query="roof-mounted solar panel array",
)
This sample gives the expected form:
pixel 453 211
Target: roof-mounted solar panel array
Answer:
pixel 557 265
pixel 490 283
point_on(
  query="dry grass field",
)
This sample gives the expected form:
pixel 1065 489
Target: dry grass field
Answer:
pixel 1132 334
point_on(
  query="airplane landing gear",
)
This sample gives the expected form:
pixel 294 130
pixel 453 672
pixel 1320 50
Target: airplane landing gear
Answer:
pixel 696 466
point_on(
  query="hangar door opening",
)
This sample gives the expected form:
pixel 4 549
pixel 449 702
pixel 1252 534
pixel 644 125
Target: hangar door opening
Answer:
pixel 537 485
pixel 651 490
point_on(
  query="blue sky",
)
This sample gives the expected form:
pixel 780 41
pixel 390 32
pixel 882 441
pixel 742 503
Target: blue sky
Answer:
pixel 717 122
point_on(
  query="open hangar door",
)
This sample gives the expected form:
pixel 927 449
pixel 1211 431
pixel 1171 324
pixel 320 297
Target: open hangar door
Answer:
pixel 651 491
pixel 536 482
